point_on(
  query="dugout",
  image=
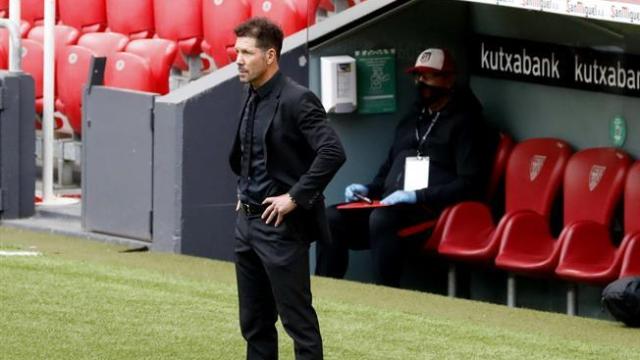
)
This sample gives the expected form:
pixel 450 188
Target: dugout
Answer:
pixel 183 136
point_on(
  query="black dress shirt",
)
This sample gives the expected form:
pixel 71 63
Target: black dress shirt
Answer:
pixel 255 184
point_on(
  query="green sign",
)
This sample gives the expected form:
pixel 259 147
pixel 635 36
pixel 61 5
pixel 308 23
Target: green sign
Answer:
pixel 376 75
pixel 618 131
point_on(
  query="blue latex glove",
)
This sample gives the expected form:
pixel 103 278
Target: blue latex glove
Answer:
pixel 351 190
pixel 400 197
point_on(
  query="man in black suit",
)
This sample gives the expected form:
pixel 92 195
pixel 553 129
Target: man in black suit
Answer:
pixel 285 154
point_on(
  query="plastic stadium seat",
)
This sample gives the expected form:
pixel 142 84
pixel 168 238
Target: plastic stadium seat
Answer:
pixel 505 145
pixel 592 184
pixel 327 5
pixel 128 71
pixel 219 19
pixel 180 21
pixel 282 12
pixel 355 2
pixel 4 58
pixel 104 44
pixel 32 11
pixel 4 8
pixel 587 253
pixel 132 18
pixel 590 256
pixel 64 35
pixel 24 28
pixel 72 75
pixel 631 260
pixel 86 15
pixel 32 64
pixel 160 53
pixel 533 178
pixel 306 10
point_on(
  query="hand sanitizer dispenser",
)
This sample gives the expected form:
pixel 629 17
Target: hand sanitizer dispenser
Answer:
pixel 338 81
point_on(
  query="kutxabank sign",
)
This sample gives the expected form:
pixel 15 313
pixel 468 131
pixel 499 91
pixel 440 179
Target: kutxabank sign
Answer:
pixel 557 65
pixel 626 11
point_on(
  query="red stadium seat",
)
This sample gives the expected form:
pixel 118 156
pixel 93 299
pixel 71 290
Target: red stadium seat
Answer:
pixel 72 75
pixel 282 12
pixel 132 18
pixel 505 145
pixel 180 21
pixel 355 2
pixel 160 53
pixel 128 71
pixel 527 245
pixel 32 64
pixel 307 11
pixel 4 8
pixel 327 5
pixel 593 188
pixel 86 15
pixel 631 260
pixel 24 28
pixel 104 44
pixel 65 36
pixel 219 19
pixel 32 11
pixel 534 175
pixel 4 58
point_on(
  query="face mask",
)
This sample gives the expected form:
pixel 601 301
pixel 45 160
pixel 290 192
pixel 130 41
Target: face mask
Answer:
pixel 430 94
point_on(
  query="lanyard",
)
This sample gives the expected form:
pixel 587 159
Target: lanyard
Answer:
pixel 426 134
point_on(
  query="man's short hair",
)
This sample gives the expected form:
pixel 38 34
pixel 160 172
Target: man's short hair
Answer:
pixel 267 34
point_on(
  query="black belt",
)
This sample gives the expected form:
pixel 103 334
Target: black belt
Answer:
pixel 252 209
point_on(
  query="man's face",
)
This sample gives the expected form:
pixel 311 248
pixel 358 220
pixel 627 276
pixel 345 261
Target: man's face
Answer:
pixel 251 60
pixel 437 83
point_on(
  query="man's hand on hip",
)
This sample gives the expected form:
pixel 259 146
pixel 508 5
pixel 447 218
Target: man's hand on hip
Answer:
pixel 279 207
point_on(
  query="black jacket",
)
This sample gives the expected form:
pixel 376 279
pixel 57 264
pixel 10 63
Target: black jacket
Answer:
pixel 301 150
pixel 459 149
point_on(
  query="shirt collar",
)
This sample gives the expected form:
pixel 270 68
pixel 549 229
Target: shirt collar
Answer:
pixel 265 90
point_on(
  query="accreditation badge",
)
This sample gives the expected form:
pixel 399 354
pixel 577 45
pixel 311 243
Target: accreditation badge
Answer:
pixel 416 173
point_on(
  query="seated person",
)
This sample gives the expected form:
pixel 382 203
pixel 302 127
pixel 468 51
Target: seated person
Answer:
pixel 446 126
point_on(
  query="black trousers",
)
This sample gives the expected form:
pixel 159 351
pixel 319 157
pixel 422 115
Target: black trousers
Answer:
pixel 272 270
pixel 376 229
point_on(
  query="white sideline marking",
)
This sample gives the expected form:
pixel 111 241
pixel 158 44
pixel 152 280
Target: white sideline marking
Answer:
pixel 19 253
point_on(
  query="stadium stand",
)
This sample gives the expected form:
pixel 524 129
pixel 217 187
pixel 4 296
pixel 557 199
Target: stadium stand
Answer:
pixel 282 12
pixel 32 64
pixel 32 11
pixel 128 71
pixel 132 18
pixel 104 44
pixel 87 16
pixel 219 19
pixel 4 8
pixel 533 177
pixel 307 10
pixel 594 184
pixel 180 21
pixel 72 71
pixel 160 54
pixel 64 36
pixel 631 259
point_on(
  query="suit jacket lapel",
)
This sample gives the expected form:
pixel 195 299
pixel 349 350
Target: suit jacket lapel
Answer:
pixel 272 109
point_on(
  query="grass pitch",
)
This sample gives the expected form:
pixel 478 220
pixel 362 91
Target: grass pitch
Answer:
pixel 87 300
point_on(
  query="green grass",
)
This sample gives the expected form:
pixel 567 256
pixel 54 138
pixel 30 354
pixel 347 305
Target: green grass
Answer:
pixel 87 300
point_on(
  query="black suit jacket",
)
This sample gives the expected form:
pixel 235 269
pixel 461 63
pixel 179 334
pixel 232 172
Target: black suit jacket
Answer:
pixel 301 151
